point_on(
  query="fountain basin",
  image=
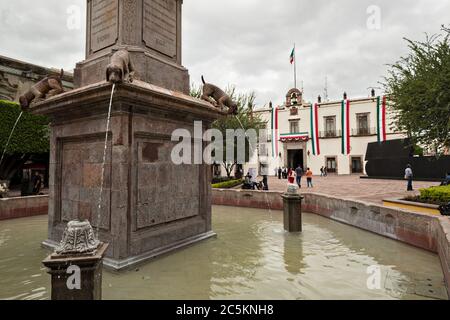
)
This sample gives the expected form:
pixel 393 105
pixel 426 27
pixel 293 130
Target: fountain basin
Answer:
pixel 252 258
pixel 424 231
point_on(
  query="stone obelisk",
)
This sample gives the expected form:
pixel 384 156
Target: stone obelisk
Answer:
pixel 149 29
pixel 150 205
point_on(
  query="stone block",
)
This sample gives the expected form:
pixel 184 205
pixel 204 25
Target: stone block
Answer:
pixel 150 206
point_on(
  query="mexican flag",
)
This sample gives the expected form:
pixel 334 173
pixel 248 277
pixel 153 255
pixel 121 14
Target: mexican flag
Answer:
pixel 315 129
pixel 345 116
pixel 381 119
pixel 292 58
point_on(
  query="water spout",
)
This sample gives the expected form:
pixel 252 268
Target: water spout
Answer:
pixel 108 123
pixel 242 126
pixel 10 136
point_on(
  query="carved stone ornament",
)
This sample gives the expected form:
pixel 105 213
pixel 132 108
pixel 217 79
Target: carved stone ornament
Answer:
pixel 78 238
pixel 292 189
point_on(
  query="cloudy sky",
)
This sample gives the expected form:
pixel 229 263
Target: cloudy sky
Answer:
pixel 247 43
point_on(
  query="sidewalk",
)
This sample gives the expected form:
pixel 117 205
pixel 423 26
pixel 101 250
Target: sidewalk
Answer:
pixel 353 187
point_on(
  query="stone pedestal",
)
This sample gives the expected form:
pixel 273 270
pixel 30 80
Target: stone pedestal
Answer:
pixel 292 212
pixel 150 205
pixel 90 275
pixel 149 29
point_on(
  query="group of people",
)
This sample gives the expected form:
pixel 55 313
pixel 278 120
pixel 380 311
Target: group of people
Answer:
pixel 296 175
pixel 250 183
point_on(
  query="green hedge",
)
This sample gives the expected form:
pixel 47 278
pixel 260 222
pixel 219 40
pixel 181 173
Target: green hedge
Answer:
pixel 221 179
pixel 228 184
pixel 438 195
pixel 32 132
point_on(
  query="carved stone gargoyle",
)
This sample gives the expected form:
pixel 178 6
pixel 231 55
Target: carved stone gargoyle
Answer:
pixel 121 68
pixel 218 97
pixel 48 87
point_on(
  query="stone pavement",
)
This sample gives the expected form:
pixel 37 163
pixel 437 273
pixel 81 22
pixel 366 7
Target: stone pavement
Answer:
pixel 353 187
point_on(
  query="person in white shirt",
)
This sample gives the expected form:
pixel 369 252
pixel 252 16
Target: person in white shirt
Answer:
pixel 409 177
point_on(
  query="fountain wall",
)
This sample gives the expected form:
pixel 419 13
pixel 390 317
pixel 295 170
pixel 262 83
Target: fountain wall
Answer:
pixel 21 207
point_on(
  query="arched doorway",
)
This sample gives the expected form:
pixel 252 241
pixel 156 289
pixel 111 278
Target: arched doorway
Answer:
pixel 295 158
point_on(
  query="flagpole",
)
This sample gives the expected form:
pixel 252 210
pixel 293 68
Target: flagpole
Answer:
pixel 295 67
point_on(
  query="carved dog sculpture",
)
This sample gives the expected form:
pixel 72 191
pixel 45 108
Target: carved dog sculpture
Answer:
pixel 218 97
pixel 121 68
pixel 48 87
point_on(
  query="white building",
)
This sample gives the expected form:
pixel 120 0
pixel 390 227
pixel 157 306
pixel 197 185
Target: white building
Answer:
pixel 331 134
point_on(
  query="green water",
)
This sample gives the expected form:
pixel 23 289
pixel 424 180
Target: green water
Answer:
pixel 252 258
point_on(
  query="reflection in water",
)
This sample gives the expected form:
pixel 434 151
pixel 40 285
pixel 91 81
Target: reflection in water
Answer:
pixel 252 258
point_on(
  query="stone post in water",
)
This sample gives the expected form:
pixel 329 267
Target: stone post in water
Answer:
pixel 76 265
pixel 292 209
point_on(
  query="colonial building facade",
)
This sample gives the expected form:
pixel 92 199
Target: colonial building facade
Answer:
pixel 16 77
pixel 334 135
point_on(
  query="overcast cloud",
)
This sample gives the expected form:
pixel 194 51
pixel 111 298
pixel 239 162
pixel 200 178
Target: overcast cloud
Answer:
pixel 247 43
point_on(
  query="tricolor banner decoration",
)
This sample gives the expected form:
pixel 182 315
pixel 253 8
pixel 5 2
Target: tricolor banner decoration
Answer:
pixel 315 129
pixel 345 116
pixel 381 119
pixel 292 57
pixel 275 132
pixel 294 137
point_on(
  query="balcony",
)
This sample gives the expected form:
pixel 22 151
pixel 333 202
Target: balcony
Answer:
pixel 329 134
pixel 364 132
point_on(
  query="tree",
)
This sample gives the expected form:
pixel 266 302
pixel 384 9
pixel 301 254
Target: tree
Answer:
pixel 30 137
pixel 418 87
pixel 245 120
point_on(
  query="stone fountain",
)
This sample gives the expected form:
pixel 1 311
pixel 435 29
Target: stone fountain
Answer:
pixel 150 206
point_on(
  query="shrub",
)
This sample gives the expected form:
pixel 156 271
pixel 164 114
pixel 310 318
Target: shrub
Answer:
pixel 220 180
pixel 438 195
pixel 32 132
pixel 228 184
pixel 30 137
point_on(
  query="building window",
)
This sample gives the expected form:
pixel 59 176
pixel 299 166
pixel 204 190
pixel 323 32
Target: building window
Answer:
pixel 330 127
pixel 294 127
pixel 362 121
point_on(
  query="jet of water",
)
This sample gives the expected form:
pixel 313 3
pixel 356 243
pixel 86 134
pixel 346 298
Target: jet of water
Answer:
pixel 269 205
pixel 10 136
pixel 242 126
pixel 108 124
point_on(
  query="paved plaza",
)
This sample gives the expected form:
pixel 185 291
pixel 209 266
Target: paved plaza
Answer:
pixel 353 187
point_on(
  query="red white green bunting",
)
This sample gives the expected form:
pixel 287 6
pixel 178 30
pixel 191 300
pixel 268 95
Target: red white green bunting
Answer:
pixel 381 119
pixel 345 116
pixel 315 129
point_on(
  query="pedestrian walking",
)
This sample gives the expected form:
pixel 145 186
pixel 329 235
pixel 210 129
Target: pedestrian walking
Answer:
pixel 409 176
pixel 309 178
pixel 299 173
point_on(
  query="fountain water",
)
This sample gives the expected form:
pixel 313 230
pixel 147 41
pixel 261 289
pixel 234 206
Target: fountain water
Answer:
pixel 242 126
pixel 10 136
pixel 108 124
